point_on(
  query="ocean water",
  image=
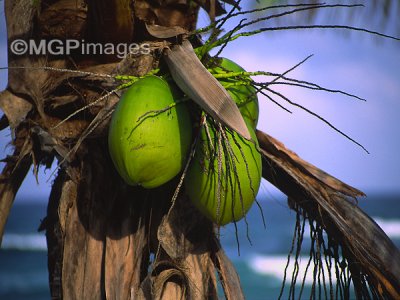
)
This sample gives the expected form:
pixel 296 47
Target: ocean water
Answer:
pixel 259 254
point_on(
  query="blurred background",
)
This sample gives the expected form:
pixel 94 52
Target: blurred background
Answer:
pixel 356 62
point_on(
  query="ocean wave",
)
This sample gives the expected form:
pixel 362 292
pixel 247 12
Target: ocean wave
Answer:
pixel 275 266
pixel 27 242
pixel 390 226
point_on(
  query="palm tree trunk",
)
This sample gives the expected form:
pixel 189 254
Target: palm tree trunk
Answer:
pixel 105 239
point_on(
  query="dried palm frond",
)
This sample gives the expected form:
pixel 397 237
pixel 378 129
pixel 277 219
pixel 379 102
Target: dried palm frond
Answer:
pixel 372 260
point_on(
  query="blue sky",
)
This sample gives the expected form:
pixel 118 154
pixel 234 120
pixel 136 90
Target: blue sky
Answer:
pixel 356 63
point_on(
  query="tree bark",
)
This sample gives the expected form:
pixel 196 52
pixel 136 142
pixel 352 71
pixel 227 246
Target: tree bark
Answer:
pixel 105 239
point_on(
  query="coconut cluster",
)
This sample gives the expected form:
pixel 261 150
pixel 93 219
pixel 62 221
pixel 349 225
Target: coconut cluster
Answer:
pixel 150 137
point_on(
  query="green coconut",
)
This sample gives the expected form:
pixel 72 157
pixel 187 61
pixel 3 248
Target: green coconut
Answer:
pixel 244 95
pixel 147 143
pixel 239 176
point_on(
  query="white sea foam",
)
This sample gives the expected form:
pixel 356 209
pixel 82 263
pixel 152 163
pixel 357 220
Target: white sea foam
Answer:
pixel 32 241
pixel 275 266
pixel 390 226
